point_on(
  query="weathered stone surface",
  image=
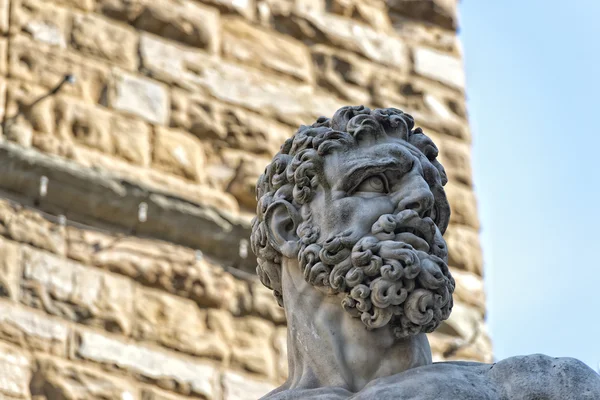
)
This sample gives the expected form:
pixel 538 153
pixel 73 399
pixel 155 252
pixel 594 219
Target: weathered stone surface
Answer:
pixel 30 227
pixel 15 372
pixel 4 16
pixel 10 264
pixel 342 32
pixel 159 319
pixel 464 250
pixel 78 293
pixel 3 68
pixel 342 72
pixel 442 67
pixel 264 304
pixel 197 114
pixel 83 123
pixel 131 139
pixel 84 5
pixel 179 153
pixel 41 20
pixel 33 330
pixel 427 35
pixel 245 8
pixel 155 365
pixel 243 184
pixel 373 13
pixel 438 12
pixel 456 156
pixel 157 394
pixel 200 219
pixel 251 346
pixel 463 204
pixel 35 62
pixel 139 96
pixel 252 133
pixel 58 379
pixel 188 22
pixel 118 9
pixel 94 36
pixel 290 102
pixel 469 289
pixel 246 44
pixel 239 387
pixel 431 106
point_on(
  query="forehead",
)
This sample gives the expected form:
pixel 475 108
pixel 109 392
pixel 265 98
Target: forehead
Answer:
pixel 392 154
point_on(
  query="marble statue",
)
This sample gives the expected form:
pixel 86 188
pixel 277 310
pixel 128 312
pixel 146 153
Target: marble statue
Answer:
pixel 348 235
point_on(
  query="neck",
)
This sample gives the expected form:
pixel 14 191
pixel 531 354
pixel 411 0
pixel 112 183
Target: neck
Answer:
pixel 328 347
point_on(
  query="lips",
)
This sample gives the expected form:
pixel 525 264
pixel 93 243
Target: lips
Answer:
pixel 408 227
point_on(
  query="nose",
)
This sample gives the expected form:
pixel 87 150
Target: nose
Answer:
pixel 417 197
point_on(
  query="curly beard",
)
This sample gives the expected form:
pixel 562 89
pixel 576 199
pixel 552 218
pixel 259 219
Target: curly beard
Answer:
pixel 383 280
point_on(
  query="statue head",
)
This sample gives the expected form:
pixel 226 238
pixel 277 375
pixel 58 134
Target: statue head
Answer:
pixel 358 201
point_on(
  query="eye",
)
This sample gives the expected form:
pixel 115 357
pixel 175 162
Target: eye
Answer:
pixel 373 184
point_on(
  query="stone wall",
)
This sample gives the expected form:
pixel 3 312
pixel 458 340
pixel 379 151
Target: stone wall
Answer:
pixel 133 132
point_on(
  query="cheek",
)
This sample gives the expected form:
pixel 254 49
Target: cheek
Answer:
pixel 355 213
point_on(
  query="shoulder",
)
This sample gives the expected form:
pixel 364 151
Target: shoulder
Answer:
pixel 545 377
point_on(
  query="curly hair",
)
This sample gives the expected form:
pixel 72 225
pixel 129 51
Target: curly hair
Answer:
pixel 294 175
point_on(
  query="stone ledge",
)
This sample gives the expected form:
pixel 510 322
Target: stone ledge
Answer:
pixel 84 194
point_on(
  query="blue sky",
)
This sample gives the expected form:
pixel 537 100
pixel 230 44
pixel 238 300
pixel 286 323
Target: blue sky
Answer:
pixel 533 88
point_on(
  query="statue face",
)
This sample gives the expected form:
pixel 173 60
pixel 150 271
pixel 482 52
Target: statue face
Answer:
pixel 379 249
pixel 358 201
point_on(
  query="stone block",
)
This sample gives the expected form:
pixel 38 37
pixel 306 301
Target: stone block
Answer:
pixel 10 269
pixel 41 64
pixel 29 227
pixel 336 31
pixel 464 249
pixel 251 346
pixel 290 102
pixel 41 20
pixel 469 289
pixel 344 73
pixel 432 106
pixel 59 379
pixel 179 153
pixel 15 372
pixel 4 16
pixel 438 12
pixel 188 374
pixel 243 184
pixel 240 387
pixel 439 66
pixel 245 8
pixel 373 13
pixel 464 322
pixel 126 11
pixel 131 139
pixel 84 5
pixel 455 155
pixel 83 123
pixel 97 37
pixel 139 96
pixel 250 45
pixel 426 35
pixel 197 114
pixel 253 133
pixel 159 317
pixel 33 330
pixel 184 21
pixel 463 205
pixel 3 65
pixel 151 393
pixel 264 304
pixel 82 294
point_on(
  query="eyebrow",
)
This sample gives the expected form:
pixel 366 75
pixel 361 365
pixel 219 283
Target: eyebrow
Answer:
pixel 366 168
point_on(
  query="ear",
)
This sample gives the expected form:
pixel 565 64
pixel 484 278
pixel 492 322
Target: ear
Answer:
pixel 282 220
